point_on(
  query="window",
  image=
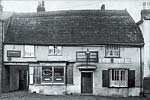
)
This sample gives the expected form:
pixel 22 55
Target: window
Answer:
pixel 46 74
pixel 58 75
pixel 112 51
pixel 118 77
pixel 69 73
pixel 81 56
pixel 29 51
pixel 52 74
pixel 55 50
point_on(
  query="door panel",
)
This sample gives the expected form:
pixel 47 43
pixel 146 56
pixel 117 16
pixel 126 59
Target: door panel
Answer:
pixel 86 83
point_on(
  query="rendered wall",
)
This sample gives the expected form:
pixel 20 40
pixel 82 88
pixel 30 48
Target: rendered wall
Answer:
pixel 69 54
pixel 145 28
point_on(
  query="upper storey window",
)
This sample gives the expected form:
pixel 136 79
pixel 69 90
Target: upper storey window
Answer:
pixel 29 51
pixel 112 51
pixel 55 50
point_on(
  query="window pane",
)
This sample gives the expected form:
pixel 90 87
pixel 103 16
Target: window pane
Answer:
pixel 58 74
pixel 51 50
pixel 29 51
pixel 58 50
pixel 46 74
pixel 70 74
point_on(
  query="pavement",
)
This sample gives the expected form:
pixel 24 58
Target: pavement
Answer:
pixel 24 95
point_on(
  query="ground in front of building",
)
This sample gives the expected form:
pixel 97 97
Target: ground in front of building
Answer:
pixel 24 95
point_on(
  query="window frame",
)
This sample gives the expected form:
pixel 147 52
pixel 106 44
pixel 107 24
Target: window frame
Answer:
pixel 53 76
pixel 24 53
pixel 85 59
pixel 119 81
pixel 55 48
pixel 108 46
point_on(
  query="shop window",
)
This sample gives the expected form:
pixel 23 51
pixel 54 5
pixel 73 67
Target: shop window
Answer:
pixel 58 75
pixel 46 74
pixel 52 74
pixel 55 50
pixel 118 78
pixel 112 51
pixel 29 51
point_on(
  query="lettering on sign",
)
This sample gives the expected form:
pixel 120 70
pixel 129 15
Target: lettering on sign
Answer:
pixel 12 53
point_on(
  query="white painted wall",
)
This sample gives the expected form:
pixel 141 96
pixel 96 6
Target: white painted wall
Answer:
pixel 145 28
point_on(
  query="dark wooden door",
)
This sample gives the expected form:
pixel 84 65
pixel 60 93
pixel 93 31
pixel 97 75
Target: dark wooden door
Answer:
pixel 86 83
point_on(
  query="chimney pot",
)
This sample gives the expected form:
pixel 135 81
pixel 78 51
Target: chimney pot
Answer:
pixel 1 7
pixel 103 7
pixel 41 7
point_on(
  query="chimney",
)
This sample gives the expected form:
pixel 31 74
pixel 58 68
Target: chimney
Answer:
pixel 1 7
pixel 41 7
pixel 103 7
pixel 146 5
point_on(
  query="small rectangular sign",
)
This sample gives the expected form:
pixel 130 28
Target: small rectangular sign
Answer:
pixel 13 53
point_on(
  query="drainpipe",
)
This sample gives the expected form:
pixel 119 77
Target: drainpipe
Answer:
pixel 1 53
pixel 141 71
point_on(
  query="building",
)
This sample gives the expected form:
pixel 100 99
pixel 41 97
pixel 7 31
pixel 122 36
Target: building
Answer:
pixel 97 52
pixel 144 24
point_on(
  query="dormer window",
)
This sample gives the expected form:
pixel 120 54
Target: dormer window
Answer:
pixel 55 50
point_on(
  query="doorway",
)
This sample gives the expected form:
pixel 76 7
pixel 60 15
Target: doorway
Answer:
pixel 86 82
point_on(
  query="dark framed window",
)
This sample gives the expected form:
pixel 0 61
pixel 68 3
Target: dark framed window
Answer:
pixel 69 74
pixel 118 77
pixel 112 51
pixel 46 74
pixel 53 74
pixel 82 56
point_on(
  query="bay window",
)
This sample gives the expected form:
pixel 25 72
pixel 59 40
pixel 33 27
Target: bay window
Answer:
pixel 118 77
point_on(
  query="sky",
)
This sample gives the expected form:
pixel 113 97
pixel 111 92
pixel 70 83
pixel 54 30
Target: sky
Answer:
pixel 134 7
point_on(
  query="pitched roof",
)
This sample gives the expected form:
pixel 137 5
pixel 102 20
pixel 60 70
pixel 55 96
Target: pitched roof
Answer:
pixel 74 27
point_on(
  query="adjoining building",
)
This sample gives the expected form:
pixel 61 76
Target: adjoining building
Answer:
pixel 97 52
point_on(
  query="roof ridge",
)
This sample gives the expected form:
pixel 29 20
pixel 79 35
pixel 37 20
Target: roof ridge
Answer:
pixel 62 12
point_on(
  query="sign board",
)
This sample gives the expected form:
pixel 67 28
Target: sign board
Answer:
pixel 13 53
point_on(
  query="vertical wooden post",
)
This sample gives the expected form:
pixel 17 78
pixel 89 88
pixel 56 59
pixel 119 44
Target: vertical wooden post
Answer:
pixel 141 71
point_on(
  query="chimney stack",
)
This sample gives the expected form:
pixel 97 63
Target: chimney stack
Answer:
pixel 41 7
pixel 1 7
pixel 146 5
pixel 103 7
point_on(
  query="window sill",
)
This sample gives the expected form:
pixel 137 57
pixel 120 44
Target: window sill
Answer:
pixel 28 57
pixel 112 57
pixel 50 84
pixel 54 55
pixel 117 87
